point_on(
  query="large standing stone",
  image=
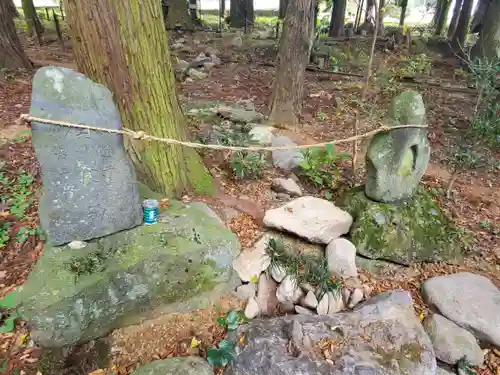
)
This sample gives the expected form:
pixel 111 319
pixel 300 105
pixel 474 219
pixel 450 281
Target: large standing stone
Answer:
pixel 90 184
pixel 315 219
pixel 469 300
pixel 416 230
pixel 396 160
pixel 451 342
pixel 341 257
pixel 181 263
pixel 381 337
pixel 176 366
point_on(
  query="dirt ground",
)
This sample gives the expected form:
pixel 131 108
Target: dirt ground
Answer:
pixel 329 109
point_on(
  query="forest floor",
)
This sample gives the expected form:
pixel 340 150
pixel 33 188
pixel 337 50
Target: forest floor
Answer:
pixel 330 104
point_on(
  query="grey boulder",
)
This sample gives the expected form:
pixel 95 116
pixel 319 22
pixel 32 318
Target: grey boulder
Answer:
pixel 176 366
pixel 469 300
pixel 381 337
pixel 90 186
pixel 285 159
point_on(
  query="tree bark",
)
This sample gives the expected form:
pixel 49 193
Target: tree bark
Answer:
pixel 458 40
pixel 454 18
pixel 12 55
pixel 241 13
pixel 133 61
pixel 338 18
pixel 11 7
pixel 369 23
pixel 293 56
pixel 441 16
pixel 31 16
pixel 479 16
pixel 178 15
pixel 381 13
pixel 404 4
pixel 487 46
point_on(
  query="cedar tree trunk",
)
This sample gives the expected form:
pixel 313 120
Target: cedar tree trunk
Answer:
pixel 241 13
pixel 404 4
pixel 31 17
pixel 12 55
pixel 441 16
pixel 487 46
pixel 479 16
pixel 337 19
pixel 381 12
pixel 133 61
pixel 454 18
pixel 178 15
pixel 293 56
pixel 458 39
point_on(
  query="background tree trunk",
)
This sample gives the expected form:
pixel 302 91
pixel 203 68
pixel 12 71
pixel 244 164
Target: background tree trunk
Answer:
pixel 31 17
pixel 133 61
pixel 338 18
pixel 458 40
pixel 293 56
pixel 454 18
pixel 479 15
pixel 12 8
pixel 404 5
pixel 178 15
pixel 381 13
pixel 441 16
pixel 241 13
pixel 487 46
pixel 369 23
pixel 12 55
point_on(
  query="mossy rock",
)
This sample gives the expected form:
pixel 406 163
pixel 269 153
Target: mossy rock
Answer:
pixel 413 231
pixel 176 366
pixel 73 296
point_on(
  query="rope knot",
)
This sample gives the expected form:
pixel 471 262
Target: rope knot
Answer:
pixel 139 135
pixel 23 119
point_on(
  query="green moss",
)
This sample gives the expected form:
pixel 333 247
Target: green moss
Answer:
pixel 411 352
pixel 200 179
pixel 409 232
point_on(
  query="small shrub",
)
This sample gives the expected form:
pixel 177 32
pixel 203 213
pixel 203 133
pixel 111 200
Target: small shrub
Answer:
pixel 247 164
pixel 222 356
pixel 4 234
pixel 232 320
pixel 8 313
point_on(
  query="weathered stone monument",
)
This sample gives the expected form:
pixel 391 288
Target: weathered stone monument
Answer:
pixel 90 187
pixel 78 293
pixel 393 218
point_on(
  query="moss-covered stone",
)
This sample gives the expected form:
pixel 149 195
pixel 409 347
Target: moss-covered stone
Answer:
pixel 413 231
pixel 176 366
pixel 73 296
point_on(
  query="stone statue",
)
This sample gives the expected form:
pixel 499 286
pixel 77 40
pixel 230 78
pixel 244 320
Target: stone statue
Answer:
pixel 396 160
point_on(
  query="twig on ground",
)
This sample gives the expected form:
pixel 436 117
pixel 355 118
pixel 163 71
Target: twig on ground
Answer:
pixel 454 177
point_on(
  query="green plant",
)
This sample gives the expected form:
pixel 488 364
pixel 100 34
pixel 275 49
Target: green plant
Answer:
pixel 484 224
pixel 232 320
pixel 320 166
pixel 247 164
pixel 8 313
pixel 466 367
pixel 303 268
pixel 23 233
pixel 93 262
pixel 4 234
pixel 321 116
pixel 413 65
pixel 222 356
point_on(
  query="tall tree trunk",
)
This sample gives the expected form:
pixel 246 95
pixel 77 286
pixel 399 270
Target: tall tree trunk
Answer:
pixel 178 15
pixel 454 18
pixel 12 55
pixel 30 15
pixel 133 61
pixel 11 7
pixel 487 46
pixel 338 18
pixel 404 4
pixel 369 14
pixel 458 39
pixel 357 20
pixel 242 13
pixel 441 16
pixel 381 13
pixel 293 56
pixel 479 15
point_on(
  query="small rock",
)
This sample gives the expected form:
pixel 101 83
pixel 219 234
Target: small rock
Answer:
pixel 287 307
pixel 77 245
pixel 367 291
pixel 282 196
pixel 285 159
pixel 315 219
pixel 215 59
pixel 322 308
pixel 189 80
pixel 310 300
pixel 208 65
pixel 245 291
pixel 303 311
pixel 289 291
pixel 266 295
pixel 356 297
pixel 237 41
pixel 338 102
pixel 196 74
pixel 251 262
pixel 335 302
pixel 180 40
pixel 182 64
pixel 451 343
pixel 252 309
pixel 346 294
pixel 177 46
pixel 261 134
pixel 353 283
pixel 201 56
pixel 18 105
pixel 278 273
pixel 186 48
pixel 211 51
pixel 308 288
pixel 341 257
pixel 288 186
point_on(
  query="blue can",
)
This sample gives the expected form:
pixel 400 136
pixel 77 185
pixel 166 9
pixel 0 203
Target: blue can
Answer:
pixel 150 209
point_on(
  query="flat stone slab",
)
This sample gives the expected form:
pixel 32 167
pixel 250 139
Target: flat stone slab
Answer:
pixel 380 337
pixel 176 366
pixel 73 296
pixel 315 219
pixel 90 186
pixel 469 300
